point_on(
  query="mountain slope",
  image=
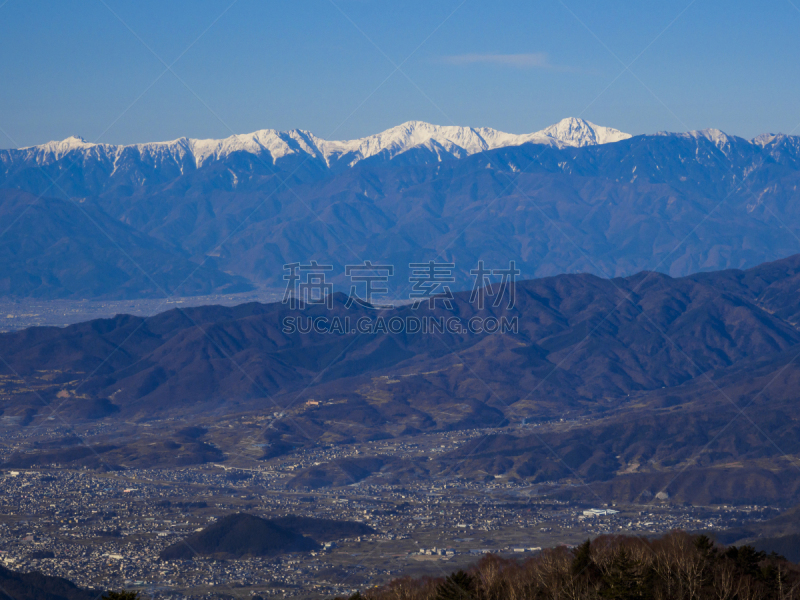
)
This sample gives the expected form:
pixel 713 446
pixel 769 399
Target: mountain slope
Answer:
pixel 676 203
pixel 56 249
pixel 580 339
pixel 238 535
pixel 35 586
pixel 628 386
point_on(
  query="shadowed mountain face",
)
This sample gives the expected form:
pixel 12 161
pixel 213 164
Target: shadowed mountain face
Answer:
pixel 630 386
pixel 581 340
pixel 779 534
pixel 675 203
pixel 54 248
pixel 35 586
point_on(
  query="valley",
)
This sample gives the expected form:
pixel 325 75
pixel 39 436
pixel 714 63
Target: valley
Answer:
pixel 107 528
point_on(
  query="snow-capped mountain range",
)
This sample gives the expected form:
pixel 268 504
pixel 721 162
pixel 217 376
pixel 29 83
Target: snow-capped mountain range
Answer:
pixel 442 141
pixel 290 196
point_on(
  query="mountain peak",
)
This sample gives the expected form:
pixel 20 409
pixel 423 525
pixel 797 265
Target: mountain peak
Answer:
pixel 440 141
pixel 55 149
pixel 713 135
pixel 766 138
pixel 575 131
pixel 73 141
pixel 717 137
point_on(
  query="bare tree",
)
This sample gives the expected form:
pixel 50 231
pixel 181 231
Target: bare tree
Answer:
pixel 726 581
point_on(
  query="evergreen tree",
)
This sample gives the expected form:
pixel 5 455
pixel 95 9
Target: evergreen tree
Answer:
pixel 121 595
pixel 625 580
pixel 582 558
pixel 704 545
pixel 457 586
pixel 746 558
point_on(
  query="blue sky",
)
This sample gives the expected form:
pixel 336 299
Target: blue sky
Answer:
pixel 96 68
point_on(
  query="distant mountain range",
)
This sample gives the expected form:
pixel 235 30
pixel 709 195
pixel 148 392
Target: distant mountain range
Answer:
pixel 574 197
pixel 273 146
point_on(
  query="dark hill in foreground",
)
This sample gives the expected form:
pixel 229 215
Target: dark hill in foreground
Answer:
pixel 241 534
pixel 35 586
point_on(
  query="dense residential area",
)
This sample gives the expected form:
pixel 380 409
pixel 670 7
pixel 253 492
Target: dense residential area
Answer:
pixel 107 529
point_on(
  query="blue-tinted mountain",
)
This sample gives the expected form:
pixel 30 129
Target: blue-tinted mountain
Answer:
pixel 60 248
pixel 576 200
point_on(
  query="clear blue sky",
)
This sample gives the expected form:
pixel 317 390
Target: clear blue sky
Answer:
pixel 74 67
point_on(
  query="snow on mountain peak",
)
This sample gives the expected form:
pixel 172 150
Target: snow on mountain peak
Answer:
pixel 464 140
pixel 719 138
pixel 73 141
pixel 403 137
pixel 574 131
pixel 766 138
pixel 716 136
pixel 56 149
pixel 447 140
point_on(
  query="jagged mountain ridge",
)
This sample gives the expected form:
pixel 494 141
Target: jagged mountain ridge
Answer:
pixel 450 141
pixel 674 202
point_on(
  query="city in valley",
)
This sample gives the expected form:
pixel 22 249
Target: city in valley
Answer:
pixel 101 527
